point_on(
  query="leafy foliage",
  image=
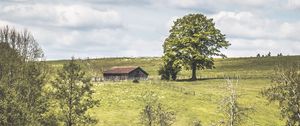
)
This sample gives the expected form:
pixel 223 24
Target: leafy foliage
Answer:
pixel 286 90
pixel 192 42
pixel 22 79
pixel 73 91
pixel 154 113
pixel 169 70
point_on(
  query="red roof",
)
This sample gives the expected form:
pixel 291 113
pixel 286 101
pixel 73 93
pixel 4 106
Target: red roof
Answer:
pixel 121 70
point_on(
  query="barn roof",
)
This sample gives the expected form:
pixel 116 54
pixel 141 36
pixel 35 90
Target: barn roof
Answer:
pixel 121 70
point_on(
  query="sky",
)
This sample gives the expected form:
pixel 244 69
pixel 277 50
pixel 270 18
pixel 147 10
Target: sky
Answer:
pixel 134 28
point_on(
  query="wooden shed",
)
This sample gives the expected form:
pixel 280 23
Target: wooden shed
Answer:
pixel 125 73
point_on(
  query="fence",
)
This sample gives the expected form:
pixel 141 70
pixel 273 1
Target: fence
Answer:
pixel 183 90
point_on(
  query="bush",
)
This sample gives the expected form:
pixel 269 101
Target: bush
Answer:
pixel 135 81
pixel 168 71
pixel 154 113
pixel 196 123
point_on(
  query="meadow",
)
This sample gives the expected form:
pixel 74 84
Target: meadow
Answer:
pixel 120 103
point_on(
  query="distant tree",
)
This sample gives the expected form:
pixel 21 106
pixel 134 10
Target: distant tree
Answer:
pixel 22 79
pixel 193 40
pixel 258 55
pixel 154 113
pixel 279 54
pixel 73 91
pixel 262 55
pixel 269 54
pixel 286 90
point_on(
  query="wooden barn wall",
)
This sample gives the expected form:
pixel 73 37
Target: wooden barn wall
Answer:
pixel 137 74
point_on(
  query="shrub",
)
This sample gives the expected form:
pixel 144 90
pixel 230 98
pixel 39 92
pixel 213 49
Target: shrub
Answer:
pixel 135 81
pixel 154 113
pixel 286 90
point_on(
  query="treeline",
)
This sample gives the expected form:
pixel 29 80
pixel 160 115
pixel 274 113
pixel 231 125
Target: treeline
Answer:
pixel 28 96
pixel 268 55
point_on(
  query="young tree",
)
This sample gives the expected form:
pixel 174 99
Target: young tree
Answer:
pixel 234 113
pixel 286 90
pixel 73 91
pixel 193 40
pixel 154 113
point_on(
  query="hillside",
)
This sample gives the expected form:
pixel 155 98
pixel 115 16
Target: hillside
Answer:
pixel 250 67
pixel 198 100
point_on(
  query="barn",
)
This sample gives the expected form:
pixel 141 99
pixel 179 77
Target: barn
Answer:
pixel 125 73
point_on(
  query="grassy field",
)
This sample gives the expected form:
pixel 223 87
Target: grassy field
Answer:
pixel 198 100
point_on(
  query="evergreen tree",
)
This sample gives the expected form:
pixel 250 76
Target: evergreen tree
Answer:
pixel 73 91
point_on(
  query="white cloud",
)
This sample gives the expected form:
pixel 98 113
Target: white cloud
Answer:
pixel 184 3
pixel 61 15
pixel 242 24
pixel 250 34
pixel 249 25
pixel 139 27
pixel 247 47
pixel 290 30
pixel 170 23
pixel 293 4
pixel 247 2
pixel 213 4
pixel 95 43
pixel 75 16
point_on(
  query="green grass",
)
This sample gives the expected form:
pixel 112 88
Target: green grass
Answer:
pixel 120 104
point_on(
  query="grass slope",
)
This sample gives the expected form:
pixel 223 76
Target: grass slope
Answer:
pixel 120 104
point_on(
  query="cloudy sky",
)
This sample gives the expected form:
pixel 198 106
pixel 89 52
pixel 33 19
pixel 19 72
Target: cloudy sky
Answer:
pixel 115 28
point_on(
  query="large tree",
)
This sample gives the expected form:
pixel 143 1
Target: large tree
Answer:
pixel 193 41
pixel 21 79
pixel 73 91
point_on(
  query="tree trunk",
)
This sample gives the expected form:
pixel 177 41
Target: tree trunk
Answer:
pixel 194 68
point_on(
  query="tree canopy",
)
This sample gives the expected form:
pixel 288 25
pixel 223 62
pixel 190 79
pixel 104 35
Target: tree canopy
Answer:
pixel 285 90
pixel 192 43
pixel 73 91
pixel 21 79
